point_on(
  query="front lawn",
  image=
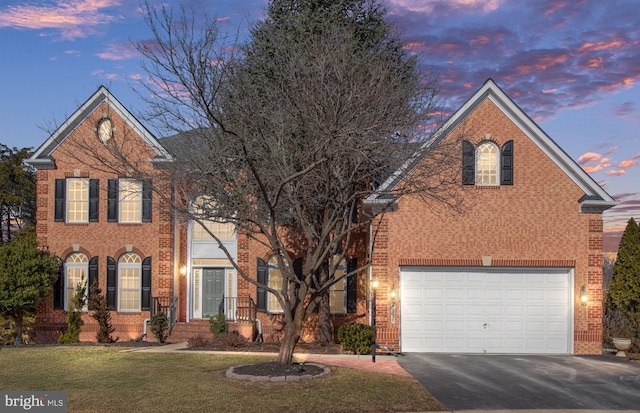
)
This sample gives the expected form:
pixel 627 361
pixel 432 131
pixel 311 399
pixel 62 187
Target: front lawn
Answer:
pixel 105 379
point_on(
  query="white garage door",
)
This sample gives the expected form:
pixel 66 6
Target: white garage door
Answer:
pixel 481 310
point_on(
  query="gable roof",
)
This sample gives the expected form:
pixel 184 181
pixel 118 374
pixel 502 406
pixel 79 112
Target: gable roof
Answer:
pixel 42 159
pixel 595 198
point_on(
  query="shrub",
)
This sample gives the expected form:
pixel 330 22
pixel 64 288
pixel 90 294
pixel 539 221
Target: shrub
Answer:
pixel 230 340
pixel 197 341
pixel 356 337
pixel 160 326
pixel 101 313
pixel 74 316
pixel 218 324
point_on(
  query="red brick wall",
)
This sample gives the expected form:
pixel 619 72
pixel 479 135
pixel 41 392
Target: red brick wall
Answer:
pixel 80 155
pixel 534 222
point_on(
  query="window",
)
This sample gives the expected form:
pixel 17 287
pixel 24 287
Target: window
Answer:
pixel 224 231
pixel 129 280
pixel 76 200
pixel 128 201
pixel 76 268
pixel 275 282
pixel 486 165
pixel 130 198
pixel 337 292
pixel 270 275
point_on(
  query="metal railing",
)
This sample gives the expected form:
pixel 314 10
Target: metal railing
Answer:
pixel 168 306
pixel 238 308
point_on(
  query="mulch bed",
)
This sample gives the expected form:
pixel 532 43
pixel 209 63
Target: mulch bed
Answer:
pixel 274 368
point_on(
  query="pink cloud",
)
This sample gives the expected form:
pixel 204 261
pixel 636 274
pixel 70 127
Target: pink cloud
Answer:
pixel 628 163
pixel 599 46
pixel 73 18
pixel 589 157
pixel 120 51
pixel 617 173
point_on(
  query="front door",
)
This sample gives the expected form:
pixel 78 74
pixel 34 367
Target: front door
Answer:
pixel 213 291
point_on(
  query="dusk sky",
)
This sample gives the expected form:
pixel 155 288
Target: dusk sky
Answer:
pixel 572 65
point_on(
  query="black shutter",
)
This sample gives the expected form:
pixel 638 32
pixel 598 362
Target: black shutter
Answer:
pixel 506 177
pixel 59 201
pixel 468 163
pixel 112 200
pixel 146 201
pixel 93 277
pixel 263 278
pixel 146 284
pixel 352 287
pixel 58 289
pixel 112 283
pixel 93 200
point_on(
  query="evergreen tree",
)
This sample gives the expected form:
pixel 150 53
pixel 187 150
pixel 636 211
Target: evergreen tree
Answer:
pixel 17 191
pixel 624 292
pixel 625 286
pixel 26 277
pixel 101 313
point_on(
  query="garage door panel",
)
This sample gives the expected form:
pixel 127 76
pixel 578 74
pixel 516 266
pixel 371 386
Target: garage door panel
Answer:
pixel 485 310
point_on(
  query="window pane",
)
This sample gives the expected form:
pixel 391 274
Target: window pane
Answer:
pixel 223 231
pixel 77 200
pixel 129 283
pixel 337 291
pixel 77 266
pixel 487 164
pixel 275 282
pixel 130 201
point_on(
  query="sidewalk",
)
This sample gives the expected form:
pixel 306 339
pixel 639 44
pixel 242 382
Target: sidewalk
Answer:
pixel 384 364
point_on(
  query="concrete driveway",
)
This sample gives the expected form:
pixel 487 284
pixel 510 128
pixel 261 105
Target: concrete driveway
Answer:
pixel 495 382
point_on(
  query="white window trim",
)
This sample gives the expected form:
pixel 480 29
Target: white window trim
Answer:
pixel 341 270
pixel 84 266
pixel 497 149
pixel 271 296
pixel 138 266
pixel 67 200
pixel 122 202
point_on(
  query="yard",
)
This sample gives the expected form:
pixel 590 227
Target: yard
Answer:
pixel 106 379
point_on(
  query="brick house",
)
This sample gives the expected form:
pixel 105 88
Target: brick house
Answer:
pixel 507 276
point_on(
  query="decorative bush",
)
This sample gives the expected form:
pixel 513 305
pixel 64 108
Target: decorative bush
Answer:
pixel 230 340
pixel 101 313
pixel 356 337
pixel 218 324
pixel 74 316
pixel 197 341
pixel 160 326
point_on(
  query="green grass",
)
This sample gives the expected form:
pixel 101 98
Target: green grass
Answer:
pixel 105 379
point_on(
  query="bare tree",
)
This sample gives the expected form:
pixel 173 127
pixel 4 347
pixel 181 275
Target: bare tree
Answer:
pixel 286 135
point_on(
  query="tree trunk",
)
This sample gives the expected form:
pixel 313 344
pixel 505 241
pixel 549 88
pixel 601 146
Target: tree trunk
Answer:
pixel 288 344
pixel 18 320
pixel 325 326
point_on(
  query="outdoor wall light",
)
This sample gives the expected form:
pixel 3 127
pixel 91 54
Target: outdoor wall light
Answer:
pixel 375 284
pixel 393 292
pixel 183 270
pixel 584 295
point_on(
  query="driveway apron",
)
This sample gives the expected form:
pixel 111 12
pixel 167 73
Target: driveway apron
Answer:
pixel 493 382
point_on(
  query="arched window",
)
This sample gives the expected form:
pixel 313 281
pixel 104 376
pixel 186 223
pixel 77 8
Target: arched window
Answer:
pixel 487 164
pixel 129 282
pixel 76 267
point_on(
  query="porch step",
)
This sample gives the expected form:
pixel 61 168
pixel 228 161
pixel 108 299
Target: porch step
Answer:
pixel 184 331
